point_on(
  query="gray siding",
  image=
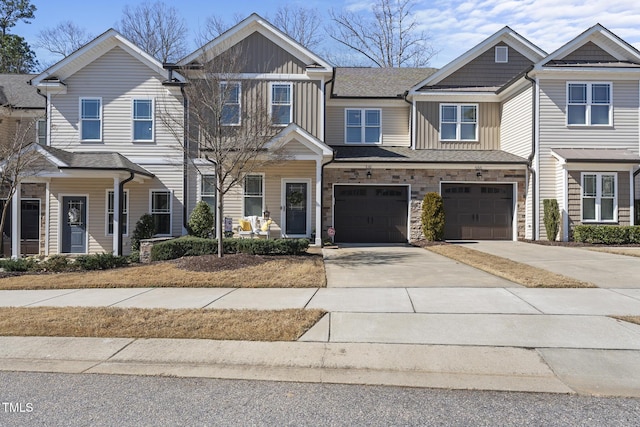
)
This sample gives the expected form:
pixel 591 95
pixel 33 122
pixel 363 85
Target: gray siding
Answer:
pixel 484 71
pixel 590 52
pixel 428 128
pixel 516 133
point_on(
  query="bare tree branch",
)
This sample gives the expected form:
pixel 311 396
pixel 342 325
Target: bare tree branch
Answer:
pixel 213 27
pixel 300 23
pixel 63 39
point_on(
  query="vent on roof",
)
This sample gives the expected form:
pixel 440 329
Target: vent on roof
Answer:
pixel 502 54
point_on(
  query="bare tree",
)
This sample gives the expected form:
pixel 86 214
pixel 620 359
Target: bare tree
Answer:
pixel 63 39
pixel 388 36
pixel 300 23
pixel 229 123
pixel 214 26
pixel 156 28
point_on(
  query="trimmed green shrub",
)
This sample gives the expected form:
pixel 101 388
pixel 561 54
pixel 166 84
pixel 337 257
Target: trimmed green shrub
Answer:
pixel 103 261
pixel 56 264
pixel 201 221
pixel 145 229
pixel 20 264
pixel 607 234
pixel 194 246
pixel 433 217
pixel 551 218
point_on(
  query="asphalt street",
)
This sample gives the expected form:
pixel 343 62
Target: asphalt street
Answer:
pixel 108 400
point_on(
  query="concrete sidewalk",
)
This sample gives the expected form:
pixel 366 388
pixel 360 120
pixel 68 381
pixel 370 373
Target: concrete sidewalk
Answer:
pixel 489 334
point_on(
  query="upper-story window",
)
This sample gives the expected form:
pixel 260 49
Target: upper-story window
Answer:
pixel 502 54
pixel 362 126
pixel 41 131
pixel 91 119
pixel 599 202
pixel 281 103
pixel 589 104
pixel 230 99
pixel 458 122
pixel 143 120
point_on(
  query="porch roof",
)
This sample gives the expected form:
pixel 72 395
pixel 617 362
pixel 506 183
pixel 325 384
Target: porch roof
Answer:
pixel 406 154
pixel 105 161
pixel 596 155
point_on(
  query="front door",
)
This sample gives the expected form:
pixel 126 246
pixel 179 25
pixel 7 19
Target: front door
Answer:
pixel 296 200
pixel 74 224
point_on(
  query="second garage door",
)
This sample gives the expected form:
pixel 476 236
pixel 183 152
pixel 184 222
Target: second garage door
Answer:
pixel 478 211
pixel 371 214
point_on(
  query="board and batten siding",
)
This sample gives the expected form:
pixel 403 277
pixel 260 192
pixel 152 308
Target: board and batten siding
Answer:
pixel 273 176
pixel 117 78
pixel 394 123
pixel 516 132
pixel 428 128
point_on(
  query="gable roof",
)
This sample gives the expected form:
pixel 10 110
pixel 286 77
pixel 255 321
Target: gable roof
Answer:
pixel 95 49
pixel 506 35
pixel 16 92
pixel 255 23
pixel 620 51
pixel 295 132
pixel 355 82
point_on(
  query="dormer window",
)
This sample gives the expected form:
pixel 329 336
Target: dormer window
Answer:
pixel 502 54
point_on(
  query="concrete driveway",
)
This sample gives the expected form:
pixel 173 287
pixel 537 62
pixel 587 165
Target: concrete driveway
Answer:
pixel 604 270
pixel 400 266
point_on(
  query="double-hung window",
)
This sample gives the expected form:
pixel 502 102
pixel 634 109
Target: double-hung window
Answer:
pixel 281 103
pixel 253 195
pixel 589 104
pixel 143 120
pixel 599 197
pixel 230 100
pixel 208 191
pixel 91 119
pixel 458 122
pixel 161 211
pixel 111 212
pixel 41 131
pixel 362 126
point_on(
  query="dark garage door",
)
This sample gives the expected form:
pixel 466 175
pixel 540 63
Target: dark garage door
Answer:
pixel 371 214
pixel 478 211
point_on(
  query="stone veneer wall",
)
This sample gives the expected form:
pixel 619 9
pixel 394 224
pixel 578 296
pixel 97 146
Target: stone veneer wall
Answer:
pixel 422 181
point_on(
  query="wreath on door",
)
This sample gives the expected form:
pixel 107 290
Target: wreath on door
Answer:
pixel 295 198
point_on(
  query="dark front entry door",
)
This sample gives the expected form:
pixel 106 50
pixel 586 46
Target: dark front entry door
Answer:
pixel 296 208
pixel 74 224
pixel 371 214
pixel 478 211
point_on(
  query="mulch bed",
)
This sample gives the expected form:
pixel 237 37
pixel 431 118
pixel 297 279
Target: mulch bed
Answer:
pixel 211 263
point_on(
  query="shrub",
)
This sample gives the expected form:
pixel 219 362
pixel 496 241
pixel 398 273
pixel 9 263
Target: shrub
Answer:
pixel 607 234
pixel 551 218
pixel 145 229
pixel 56 264
pixel 201 221
pixel 103 261
pixel 433 217
pixel 20 264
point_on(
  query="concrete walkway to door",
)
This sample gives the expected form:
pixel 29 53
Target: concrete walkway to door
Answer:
pixel 400 266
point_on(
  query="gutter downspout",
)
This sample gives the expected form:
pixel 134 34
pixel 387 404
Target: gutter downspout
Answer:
pixel 121 211
pixel 530 167
pixel 185 155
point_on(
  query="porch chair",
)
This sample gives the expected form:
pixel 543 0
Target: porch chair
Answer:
pixel 252 226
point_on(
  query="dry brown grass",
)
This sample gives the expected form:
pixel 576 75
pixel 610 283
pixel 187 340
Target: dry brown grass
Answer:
pixel 618 251
pixel 630 319
pixel 111 322
pixel 523 274
pixel 275 272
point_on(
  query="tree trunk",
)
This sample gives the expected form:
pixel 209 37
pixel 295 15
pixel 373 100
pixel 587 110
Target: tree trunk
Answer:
pixel 219 217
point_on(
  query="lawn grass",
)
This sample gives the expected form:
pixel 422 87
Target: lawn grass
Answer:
pixel 112 322
pixel 252 271
pixel 630 319
pixel 523 274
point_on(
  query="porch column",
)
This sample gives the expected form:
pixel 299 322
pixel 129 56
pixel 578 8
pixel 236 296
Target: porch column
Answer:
pixel 116 216
pixel 15 223
pixel 318 241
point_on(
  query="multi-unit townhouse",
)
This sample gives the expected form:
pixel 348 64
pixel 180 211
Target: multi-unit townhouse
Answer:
pixel 495 132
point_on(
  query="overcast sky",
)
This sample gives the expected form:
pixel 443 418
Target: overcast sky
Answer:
pixel 454 26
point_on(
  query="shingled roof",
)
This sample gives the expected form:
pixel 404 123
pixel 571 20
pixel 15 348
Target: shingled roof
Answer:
pixel 95 161
pixel 16 92
pixel 405 154
pixel 376 82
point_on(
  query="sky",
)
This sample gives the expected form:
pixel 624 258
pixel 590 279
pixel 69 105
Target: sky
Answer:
pixel 453 26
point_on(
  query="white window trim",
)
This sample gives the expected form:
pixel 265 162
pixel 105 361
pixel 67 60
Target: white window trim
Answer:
pixel 501 51
pixel 459 122
pixel 222 103
pixel 40 124
pixel 201 187
pixel 162 190
pixel 271 84
pixel 244 195
pixel 598 198
pixel 589 104
pixel 363 126
pixel 89 98
pixel 106 212
pixel 153 120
